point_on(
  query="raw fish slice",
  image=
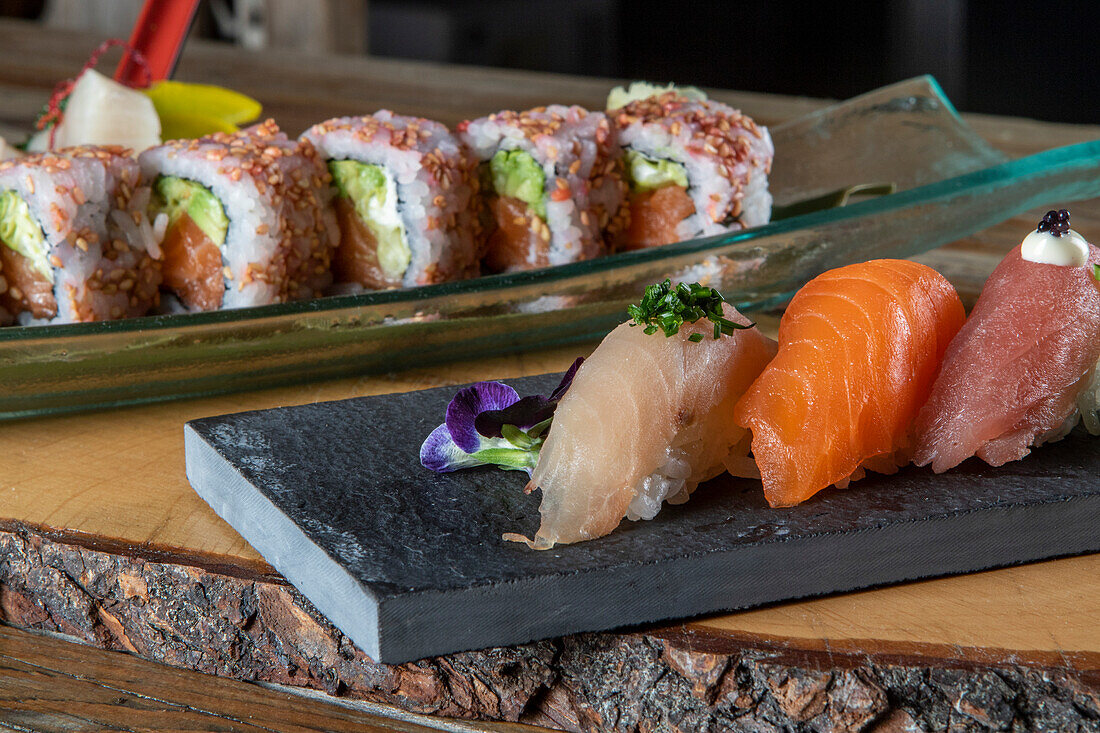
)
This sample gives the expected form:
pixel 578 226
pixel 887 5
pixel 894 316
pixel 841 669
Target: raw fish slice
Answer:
pixel 645 420
pixel 859 348
pixel 1014 375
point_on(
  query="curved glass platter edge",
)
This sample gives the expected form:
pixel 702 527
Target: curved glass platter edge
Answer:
pixel 951 184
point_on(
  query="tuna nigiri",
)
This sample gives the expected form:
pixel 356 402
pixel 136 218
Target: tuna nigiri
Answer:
pixel 859 348
pixel 646 420
pixel 1022 371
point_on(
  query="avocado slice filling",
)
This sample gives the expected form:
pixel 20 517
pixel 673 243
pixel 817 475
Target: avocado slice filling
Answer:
pixel 619 97
pixel 178 196
pixel 373 191
pixel 21 233
pixel 649 174
pixel 515 173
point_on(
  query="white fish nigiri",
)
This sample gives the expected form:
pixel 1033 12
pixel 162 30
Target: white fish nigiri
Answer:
pixel 647 419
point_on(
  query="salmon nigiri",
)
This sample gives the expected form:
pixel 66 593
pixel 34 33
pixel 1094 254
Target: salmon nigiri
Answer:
pixel 1022 371
pixel 646 420
pixel 859 348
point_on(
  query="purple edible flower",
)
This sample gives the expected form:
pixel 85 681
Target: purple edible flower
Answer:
pixel 440 454
pixel 528 412
pixel 453 444
pixel 480 417
pixel 470 403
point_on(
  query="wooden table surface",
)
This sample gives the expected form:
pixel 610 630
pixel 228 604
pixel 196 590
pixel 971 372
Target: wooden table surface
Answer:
pixel 107 492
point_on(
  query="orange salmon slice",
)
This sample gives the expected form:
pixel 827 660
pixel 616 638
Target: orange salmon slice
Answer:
pixel 516 242
pixel 356 259
pixel 859 349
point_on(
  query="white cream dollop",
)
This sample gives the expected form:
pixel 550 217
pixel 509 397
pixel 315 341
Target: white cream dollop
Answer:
pixel 1070 249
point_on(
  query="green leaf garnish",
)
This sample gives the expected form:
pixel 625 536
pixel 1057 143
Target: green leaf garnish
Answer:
pixel 510 459
pixel 516 437
pixel 540 429
pixel 1096 271
pixel 667 308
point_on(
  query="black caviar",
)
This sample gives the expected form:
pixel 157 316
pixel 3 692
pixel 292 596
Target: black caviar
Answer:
pixel 1055 222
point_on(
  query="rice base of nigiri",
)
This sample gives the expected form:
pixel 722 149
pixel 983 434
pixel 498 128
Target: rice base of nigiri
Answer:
pixel 647 419
pixel 1088 405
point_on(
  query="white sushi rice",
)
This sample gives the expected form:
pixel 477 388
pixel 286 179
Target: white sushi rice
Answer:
pixel 1088 402
pixel 573 146
pixel 435 186
pixel 756 200
pixel 668 483
pixel 89 201
pixel 675 478
pixel 724 200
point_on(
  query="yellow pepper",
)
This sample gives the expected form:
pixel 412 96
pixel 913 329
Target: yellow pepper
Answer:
pixel 192 110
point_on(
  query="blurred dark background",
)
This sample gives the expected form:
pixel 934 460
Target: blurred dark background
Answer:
pixel 1032 59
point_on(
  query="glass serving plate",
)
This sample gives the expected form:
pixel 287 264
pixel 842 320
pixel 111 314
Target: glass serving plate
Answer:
pixel 949 184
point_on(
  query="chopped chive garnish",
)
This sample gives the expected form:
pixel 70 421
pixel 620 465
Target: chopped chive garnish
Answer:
pixel 667 308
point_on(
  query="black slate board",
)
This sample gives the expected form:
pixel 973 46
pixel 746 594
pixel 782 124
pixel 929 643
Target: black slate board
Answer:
pixel 409 563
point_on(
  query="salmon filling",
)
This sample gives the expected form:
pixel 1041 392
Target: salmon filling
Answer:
pixel 519 233
pixel 193 265
pixel 356 259
pixel 655 216
pixel 28 289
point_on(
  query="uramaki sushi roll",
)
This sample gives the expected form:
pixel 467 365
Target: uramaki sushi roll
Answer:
pixel 695 167
pixel 551 183
pixel 404 198
pixel 77 245
pixel 246 217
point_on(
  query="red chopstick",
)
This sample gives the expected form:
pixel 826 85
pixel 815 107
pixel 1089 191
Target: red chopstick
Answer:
pixel 158 35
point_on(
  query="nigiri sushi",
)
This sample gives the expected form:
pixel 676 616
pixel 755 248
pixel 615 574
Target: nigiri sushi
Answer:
pixel 859 348
pixel 1022 371
pixel 646 420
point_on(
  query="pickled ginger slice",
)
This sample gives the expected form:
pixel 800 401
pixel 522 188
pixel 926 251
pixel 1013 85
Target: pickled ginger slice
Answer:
pixel 100 111
pixel 646 420
pixel 859 349
pixel 1022 371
